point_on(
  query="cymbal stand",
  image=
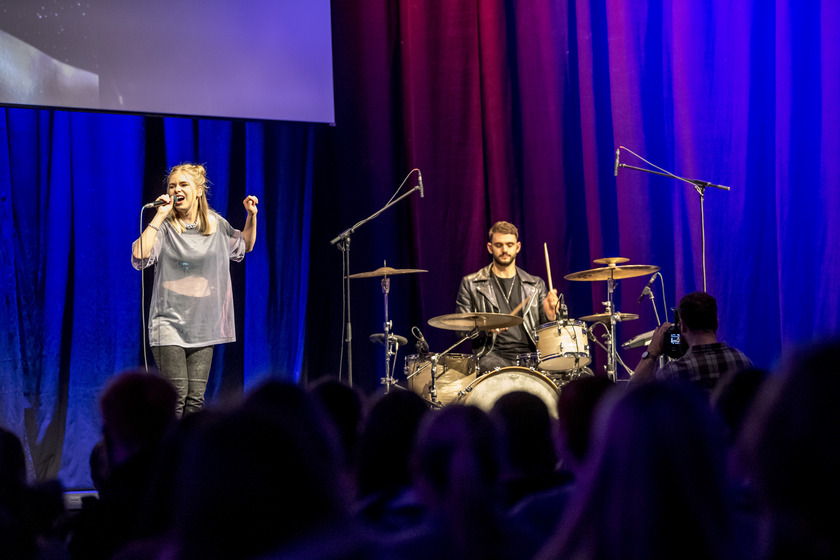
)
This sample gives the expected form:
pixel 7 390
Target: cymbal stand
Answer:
pixel 590 334
pixel 391 346
pixel 611 353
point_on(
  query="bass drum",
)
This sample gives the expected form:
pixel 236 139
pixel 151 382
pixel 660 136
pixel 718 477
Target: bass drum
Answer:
pixel 487 389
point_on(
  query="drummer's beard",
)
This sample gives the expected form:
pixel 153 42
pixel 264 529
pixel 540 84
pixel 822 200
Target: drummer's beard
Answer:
pixel 503 264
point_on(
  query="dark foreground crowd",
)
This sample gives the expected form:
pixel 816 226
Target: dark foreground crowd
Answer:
pixel 658 471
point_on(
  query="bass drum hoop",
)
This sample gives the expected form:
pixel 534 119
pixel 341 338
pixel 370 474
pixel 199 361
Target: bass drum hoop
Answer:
pixel 487 389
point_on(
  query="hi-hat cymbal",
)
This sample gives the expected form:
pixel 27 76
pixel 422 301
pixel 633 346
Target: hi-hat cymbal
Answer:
pixel 605 317
pixel 379 338
pixel 469 321
pixel 614 272
pixel 611 260
pixel 386 271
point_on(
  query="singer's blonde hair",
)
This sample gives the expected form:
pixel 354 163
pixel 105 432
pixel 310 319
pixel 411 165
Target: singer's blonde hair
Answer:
pixel 197 174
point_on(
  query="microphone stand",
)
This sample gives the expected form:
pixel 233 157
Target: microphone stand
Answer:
pixel 342 240
pixel 699 186
pixel 649 292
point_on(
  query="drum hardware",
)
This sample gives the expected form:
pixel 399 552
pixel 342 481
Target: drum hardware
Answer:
pixel 435 359
pixel 612 272
pixel 607 336
pixel 342 242
pixel 391 342
pixel 472 322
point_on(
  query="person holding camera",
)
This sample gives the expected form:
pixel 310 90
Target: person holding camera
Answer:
pixel 705 362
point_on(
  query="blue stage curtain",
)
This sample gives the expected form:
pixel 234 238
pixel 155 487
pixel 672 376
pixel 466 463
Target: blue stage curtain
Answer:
pixel 71 189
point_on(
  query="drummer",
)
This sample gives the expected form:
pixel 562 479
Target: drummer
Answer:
pixel 501 287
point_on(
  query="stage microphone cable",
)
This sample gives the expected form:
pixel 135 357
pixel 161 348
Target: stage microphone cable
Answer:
pixel 143 296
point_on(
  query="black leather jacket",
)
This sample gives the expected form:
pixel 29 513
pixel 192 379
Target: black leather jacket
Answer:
pixel 476 295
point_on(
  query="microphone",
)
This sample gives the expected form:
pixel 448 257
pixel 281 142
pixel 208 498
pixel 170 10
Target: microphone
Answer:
pixel 646 291
pixel 617 152
pixel 420 180
pixel 157 203
pixel 421 347
pixel 564 311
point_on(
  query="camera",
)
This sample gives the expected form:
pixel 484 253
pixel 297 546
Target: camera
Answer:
pixel 673 347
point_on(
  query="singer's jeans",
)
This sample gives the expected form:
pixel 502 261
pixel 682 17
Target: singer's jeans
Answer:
pixel 187 369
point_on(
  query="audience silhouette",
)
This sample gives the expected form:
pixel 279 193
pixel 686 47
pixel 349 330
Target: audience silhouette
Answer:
pixel 654 471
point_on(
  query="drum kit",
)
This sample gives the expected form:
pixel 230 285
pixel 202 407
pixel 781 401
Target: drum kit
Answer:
pixel 562 347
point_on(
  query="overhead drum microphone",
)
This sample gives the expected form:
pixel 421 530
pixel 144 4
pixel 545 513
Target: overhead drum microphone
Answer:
pixel 617 153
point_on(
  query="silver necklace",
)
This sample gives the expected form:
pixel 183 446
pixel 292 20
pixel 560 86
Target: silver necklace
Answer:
pixel 189 226
pixel 510 290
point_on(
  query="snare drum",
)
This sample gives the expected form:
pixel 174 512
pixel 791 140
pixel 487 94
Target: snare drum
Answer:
pixel 530 360
pixel 454 373
pixel 563 345
pixel 487 389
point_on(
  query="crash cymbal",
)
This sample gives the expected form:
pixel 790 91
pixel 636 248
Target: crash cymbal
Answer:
pixel 379 338
pixel 386 271
pixel 469 321
pixel 611 260
pixel 605 317
pixel 639 340
pixel 614 272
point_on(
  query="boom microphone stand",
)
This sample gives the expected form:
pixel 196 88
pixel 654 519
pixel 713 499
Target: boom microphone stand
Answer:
pixel 699 186
pixel 342 240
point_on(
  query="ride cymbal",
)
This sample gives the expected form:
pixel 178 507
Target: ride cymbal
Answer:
pixel 612 272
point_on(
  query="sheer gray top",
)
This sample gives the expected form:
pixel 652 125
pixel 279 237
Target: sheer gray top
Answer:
pixel 192 302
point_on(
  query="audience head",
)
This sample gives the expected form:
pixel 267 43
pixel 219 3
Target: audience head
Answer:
pixel 456 451
pixel 653 485
pixel 525 434
pixel 792 443
pixel 575 410
pixel 387 439
pixel 256 478
pixel 733 395
pixel 137 409
pixel 343 406
pixel 698 312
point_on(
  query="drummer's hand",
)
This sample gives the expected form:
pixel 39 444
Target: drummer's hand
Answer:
pixel 657 340
pixel 550 304
pixel 497 331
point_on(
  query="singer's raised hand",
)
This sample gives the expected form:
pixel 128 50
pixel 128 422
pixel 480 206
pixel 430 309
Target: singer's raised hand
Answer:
pixel 249 232
pixel 250 204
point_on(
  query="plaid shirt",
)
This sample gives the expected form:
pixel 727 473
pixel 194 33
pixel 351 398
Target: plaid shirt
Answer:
pixel 704 364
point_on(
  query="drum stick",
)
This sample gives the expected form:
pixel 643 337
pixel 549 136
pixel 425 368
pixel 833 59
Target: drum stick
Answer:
pixel 521 305
pixel 548 268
